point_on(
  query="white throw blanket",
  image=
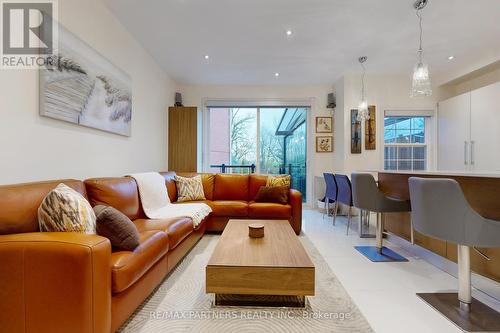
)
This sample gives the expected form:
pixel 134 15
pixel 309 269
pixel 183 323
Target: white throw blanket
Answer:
pixel 156 203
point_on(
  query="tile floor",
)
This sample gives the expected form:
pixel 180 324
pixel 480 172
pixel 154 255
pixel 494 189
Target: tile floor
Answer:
pixel 384 292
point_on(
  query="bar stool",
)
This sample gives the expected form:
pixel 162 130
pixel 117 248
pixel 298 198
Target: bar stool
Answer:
pixel 344 196
pixel 367 196
pixel 330 192
pixel 440 210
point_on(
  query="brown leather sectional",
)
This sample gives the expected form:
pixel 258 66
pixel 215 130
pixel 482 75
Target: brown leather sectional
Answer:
pixel 72 282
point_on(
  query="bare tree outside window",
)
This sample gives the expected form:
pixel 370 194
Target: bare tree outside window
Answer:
pixel 243 134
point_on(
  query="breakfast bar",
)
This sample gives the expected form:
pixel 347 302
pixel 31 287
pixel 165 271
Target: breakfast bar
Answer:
pixel 481 190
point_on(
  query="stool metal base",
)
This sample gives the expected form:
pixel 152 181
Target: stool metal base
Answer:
pixel 386 255
pixel 478 318
pixel 364 221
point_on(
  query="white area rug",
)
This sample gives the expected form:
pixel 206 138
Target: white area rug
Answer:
pixel 180 304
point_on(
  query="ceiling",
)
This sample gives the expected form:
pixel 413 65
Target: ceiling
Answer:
pixel 247 43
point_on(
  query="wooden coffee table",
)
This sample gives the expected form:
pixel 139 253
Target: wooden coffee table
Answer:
pixel 271 271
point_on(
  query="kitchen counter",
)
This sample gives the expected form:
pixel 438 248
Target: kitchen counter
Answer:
pixel 482 191
pixel 440 173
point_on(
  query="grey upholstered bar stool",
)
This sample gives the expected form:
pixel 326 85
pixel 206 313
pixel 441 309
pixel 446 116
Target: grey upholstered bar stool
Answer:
pixel 367 196
pixel 440 210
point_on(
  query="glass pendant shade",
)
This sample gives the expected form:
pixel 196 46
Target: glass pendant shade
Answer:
pixel 363 113
pixel 421 82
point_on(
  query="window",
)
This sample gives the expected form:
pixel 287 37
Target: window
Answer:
pixel 272 140
pixel 405 143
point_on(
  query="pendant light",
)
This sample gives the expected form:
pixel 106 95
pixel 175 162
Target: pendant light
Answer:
pixel 363 113
pixel 421 82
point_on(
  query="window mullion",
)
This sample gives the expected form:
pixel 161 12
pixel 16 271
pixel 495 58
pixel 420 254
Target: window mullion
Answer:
pixel 257 155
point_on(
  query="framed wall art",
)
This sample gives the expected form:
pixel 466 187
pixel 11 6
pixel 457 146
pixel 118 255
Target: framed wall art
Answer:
pixel 84 88
pixel 324 144
pixel 324 124
pixel 371 129
pixel 355 133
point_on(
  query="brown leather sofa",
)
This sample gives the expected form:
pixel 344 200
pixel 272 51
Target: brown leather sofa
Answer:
pixel 231 197
pixel 72 282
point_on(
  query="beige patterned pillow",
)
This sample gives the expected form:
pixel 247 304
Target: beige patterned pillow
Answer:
pixel 280 180
pixel 64 209
pixel 189 189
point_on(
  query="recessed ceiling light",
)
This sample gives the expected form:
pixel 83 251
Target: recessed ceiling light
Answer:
pixel 289 32
pixel 451 57
pixel 276 74
pixel 207 57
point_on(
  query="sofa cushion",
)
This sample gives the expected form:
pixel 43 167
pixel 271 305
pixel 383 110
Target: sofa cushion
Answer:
pixel 128 266
pixel 117 227
pixel 119 192
pixel 275 194
pixel 207 179
pixel 19 204
pixel 255 182
pixel 279 180
pixel 177 228
pixel 64 209
pixel 189 189
pixel 230 208
pixel 272 210
pixel 170 183
pixel 231 187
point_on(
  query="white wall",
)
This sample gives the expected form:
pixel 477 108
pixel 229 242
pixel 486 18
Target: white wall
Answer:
pixel 196 95
pixel 319 162
pixel 38 148
pixel 386 93
pixel 480 78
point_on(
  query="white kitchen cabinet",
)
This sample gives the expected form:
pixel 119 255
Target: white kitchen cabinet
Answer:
pixel 485 129
pixel 469 131
pixel 454 133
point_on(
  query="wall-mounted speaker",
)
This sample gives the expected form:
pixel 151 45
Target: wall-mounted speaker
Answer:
pixel 178 99
pixel 331 101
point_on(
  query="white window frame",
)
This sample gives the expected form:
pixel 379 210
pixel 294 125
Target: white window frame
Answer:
pixel 427 115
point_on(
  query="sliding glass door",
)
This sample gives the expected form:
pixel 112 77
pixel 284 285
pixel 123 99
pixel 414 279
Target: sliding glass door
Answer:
pixel 268 140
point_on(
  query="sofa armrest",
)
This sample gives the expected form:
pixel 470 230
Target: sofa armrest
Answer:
pixel 55 282
pixel 296 203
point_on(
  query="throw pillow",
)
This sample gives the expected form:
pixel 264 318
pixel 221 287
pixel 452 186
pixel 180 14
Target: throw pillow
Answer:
pixel 64 209
pixel 117 227
pixel 274 194
pixel 280 180
pixel 189 189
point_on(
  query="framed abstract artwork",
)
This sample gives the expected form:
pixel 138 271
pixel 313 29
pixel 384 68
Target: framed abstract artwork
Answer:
pixel 355 133
pixel 371 129
pixel 84 88
pixel 324 124
pixel 324 144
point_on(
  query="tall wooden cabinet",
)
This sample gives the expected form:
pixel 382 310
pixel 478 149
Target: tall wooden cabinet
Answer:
pixel 183 128
pixel 469 131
